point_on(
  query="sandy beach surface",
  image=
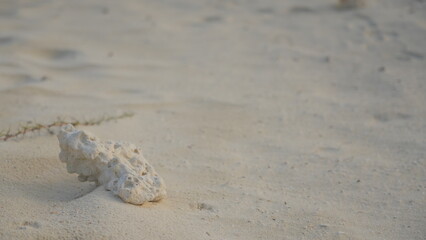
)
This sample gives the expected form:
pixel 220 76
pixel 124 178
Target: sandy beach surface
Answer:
pixel 267 119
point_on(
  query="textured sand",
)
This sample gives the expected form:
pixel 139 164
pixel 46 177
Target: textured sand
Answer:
pixel 267 119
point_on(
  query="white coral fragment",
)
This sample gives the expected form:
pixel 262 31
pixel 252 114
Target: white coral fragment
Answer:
pixel 119 166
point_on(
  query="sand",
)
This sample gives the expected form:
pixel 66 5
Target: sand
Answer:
pixel 266 119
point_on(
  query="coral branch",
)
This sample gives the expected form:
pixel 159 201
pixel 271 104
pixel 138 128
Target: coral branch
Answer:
pixel 120 167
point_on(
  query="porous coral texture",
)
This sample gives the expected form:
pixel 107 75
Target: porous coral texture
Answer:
pixel 120 167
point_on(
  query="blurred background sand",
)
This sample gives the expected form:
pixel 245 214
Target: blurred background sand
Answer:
pixel 267 119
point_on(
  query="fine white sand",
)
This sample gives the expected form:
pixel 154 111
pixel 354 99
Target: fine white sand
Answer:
pixel 268 119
